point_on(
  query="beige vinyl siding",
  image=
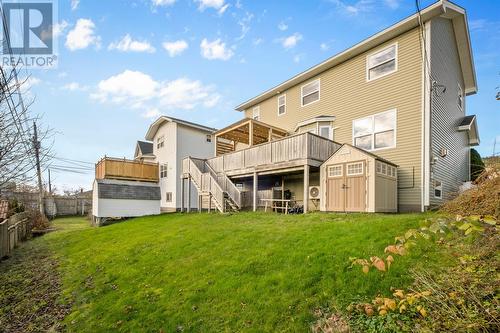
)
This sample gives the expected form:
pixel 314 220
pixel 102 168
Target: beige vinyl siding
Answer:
pixel 453 169
pixel 347 95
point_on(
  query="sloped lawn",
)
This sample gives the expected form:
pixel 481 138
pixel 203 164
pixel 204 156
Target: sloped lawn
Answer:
pixel 251 272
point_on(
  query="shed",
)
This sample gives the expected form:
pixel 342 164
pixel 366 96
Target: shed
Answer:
pixel 354 180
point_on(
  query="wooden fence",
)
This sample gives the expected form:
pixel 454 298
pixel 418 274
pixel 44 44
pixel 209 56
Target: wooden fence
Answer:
pixel 13 230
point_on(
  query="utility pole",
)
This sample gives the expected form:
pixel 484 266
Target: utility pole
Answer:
pixel 50 184
pixel 36 145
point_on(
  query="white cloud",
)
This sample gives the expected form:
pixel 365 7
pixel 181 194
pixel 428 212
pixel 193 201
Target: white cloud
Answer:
pixel 74 4
pixel 257 41
pixel 215 50
pixel 393 4
pixel 324 46
pixel 298 58
pixel 282 26
pixel 291 41
pixel 151 113
pixel 138 90
pixel 82 35
pixel 163 2
pixel 244 23
pixel 175 48
pixel 218 5
pixel 478 24
pixel 74 86
pixel 127 44
pixel 62 74
pixel 59 28
pixel 356 8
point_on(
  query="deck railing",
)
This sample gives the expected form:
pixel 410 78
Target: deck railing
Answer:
pixel 204 181
pixel 116 168
pixel 296 147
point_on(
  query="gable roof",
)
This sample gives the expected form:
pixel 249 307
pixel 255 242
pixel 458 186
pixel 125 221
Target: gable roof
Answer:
pixel 153 128
pixel 145 148
pixel 443 7
pixel 469 124
pixel 378 158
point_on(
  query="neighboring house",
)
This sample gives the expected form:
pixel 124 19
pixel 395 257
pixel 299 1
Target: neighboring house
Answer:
pixel 400 94
pixel 170 140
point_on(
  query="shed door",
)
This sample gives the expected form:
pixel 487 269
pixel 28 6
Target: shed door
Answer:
pixel 346 187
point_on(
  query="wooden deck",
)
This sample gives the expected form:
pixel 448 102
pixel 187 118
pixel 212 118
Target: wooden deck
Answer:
pixel 289 153
pixel 123 169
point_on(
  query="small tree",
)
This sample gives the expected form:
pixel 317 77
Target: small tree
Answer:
pixel 476 164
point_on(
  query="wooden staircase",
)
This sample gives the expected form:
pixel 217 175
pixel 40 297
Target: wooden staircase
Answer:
pixel 218 188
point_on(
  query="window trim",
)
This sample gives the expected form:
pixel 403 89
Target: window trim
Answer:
pixel 171 197
pixel 335 166
pixel 440 189
pixel 256 108
pixel 330 131
pixel 165 167
pixel 162 137
pixel 373 130
pixel 355 174
pixel 302 93
pixel 208 138
pixel 461 97
pixel 368 79
pixel 284 104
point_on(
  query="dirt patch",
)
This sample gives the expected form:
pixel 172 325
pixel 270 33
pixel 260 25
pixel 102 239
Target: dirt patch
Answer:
pixel 30 291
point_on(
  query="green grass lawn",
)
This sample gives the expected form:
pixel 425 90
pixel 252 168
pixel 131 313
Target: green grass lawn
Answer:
pixel 251 272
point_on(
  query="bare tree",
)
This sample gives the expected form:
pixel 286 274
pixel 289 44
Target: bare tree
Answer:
pixel 17 147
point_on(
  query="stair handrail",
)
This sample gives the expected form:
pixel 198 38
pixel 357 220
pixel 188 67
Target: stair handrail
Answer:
pixel 213 187
pixel 228 186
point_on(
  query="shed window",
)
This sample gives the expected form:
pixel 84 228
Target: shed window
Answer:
pixel 385 169
pixel 382 63
pixel 460 101
pixel 163 170
pixel 310 93
pixel 438 189
pixel 354 169
pixel 375 132
pixel 256 113
pixel 168 197
pixel 281 105
pixel 335 171
pixel 160 142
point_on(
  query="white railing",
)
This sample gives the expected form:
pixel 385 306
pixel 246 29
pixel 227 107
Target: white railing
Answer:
pixel 204 181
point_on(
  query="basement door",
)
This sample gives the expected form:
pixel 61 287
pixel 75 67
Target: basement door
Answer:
pixel 346 187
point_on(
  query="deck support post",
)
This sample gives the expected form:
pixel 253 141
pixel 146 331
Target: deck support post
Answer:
pixel 182 194
pixel 306 188
pixel 200 203
pixel 210 202
pixel 255 187
pixel 189 195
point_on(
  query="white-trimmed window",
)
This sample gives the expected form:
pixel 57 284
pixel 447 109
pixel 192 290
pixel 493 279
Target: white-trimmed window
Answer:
pixel 335 171
pixel 326 131
pixel 209 138
pixel 281 105
pixel 310 93
pixel 354 169
pixel 375 132
pixel 168 197
pixel 163 170
pixel 386 170
pixel 160 142
pixel 460 97
pixel 438 189
pixel 382 63
pixel 256 113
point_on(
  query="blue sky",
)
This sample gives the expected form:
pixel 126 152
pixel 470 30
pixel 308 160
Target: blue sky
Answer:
pixel 122 63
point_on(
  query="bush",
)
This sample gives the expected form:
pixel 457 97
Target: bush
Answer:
pixel 39 221
pixel 476 164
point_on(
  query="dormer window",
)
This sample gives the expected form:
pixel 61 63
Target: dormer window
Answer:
pixel 382 63
pixel 160 142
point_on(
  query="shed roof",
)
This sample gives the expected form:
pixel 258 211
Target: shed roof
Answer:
pixel 378 158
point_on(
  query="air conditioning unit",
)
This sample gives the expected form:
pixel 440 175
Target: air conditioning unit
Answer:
pixel 314 192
